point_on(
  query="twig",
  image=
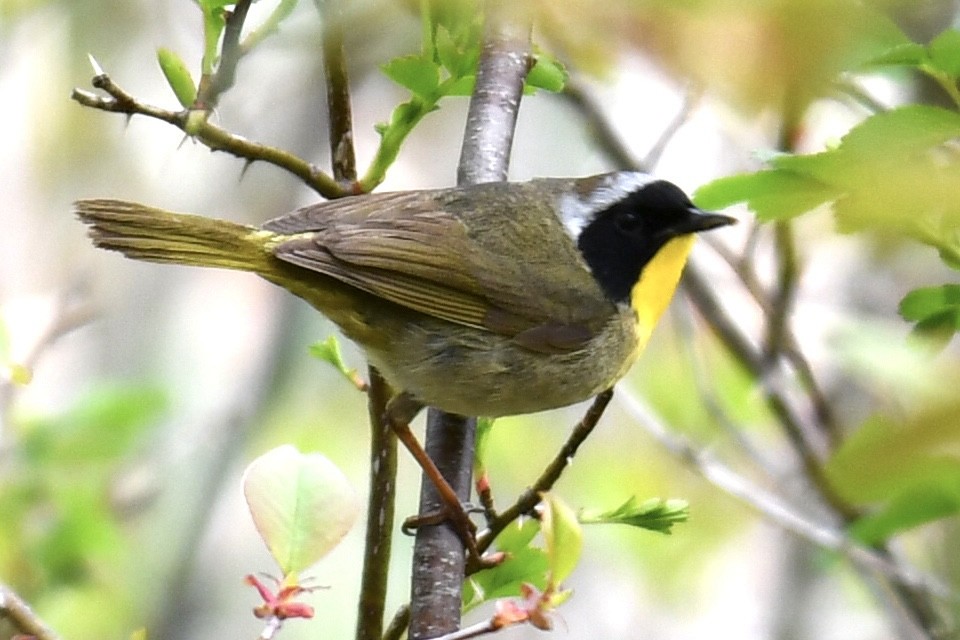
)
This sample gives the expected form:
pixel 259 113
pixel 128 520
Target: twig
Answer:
pixel 439 562
pixel 23 618
pixel 742 266
pixel 271 628
pixel 67 317
pixel 339 113
pixel 196 125
pixel 474 630
pixel 380 513
pixel 531 496
pixel 212 87
pixel 398 624
pixel 602 129
pixel 776 509
pixel 696 285
pixel 690 100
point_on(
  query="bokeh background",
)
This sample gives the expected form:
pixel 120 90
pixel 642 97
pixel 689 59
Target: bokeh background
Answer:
pixel 152 386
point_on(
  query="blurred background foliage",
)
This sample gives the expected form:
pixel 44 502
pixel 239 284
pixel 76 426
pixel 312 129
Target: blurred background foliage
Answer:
pixel 133 395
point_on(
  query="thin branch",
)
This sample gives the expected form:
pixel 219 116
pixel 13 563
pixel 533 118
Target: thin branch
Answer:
pixel 742 266
pixel 439 561
pixel 690 101
pixel 197 125
pixel 398 624
pixel 531 497
pixel 212 87
pixel 495 104
pixel 22 617
pixel 339 112
pixel 602 129
pixel 67 316
pixel 271 628
pixel 697 286
pixel 473 631
pixel 775 508
pixel 380 513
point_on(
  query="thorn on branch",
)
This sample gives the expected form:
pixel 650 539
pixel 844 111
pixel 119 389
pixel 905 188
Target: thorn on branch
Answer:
pixel 196 124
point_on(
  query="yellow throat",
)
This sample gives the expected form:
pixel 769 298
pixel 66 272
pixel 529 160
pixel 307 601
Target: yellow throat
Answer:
pixel 658 280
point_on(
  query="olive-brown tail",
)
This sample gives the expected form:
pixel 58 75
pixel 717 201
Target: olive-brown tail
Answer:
pixel 154 235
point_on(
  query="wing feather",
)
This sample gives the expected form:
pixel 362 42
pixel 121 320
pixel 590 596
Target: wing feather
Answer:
pixel 433 252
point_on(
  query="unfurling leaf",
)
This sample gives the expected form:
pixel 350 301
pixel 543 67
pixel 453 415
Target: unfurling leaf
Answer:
pixel 655 514
pixel 416 73
pixel 329 351
pixel 547 73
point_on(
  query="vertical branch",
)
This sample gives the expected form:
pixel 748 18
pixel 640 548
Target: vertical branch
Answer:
pixel 438 561
pixel 340 116
pixel 383 445
pixel 492 117
pixel 380 513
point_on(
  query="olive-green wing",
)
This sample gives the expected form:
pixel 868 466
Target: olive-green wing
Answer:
pixel 432 252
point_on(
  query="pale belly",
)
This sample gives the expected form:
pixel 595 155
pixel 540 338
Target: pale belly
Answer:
pixel 480 373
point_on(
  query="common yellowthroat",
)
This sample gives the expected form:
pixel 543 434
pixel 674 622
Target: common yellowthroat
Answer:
pixel 493 299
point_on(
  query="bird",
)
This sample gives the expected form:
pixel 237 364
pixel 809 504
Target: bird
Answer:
pixel 493 299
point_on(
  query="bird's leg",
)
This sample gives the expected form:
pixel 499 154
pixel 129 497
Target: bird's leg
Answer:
pixel 400 411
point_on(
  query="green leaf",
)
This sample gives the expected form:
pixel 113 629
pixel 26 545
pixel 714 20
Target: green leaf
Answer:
pixel 524 566
pixel 484 428
pixel 933 308
pixel 562 536
pixel 654 514
pixel 214 22
pixel 329 351
pixel 178 76
pixel 908 54
pixel 547 73
pixel 884 460
pixel 302 505
pixel 271 25
pixel 518 535
pixel 457 61
pixel 897 172
pixel 771 194
pixel 945 52
pixel 211 5
pixel 99 426
pixel 416 73
pixel 458 87
pixel 915 506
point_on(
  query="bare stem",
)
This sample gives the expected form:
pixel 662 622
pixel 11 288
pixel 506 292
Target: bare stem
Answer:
pixel 23 618
pixel 529 498
pixel 778 510
pixel 340 116
pixel 380 513
pixel 439 560
pixel 212 87
pixel 398 624
pixel 196 125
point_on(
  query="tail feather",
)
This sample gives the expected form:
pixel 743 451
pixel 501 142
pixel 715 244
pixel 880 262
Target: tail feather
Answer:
pixel 155 235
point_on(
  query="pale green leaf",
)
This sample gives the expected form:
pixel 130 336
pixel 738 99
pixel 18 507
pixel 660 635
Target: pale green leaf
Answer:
pixel 178 76
pixel 562 536
pixel 302 505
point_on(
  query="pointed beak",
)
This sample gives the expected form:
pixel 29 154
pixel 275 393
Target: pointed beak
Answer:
pixel 697 220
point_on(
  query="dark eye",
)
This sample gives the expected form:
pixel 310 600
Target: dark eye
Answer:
pixel 628 221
